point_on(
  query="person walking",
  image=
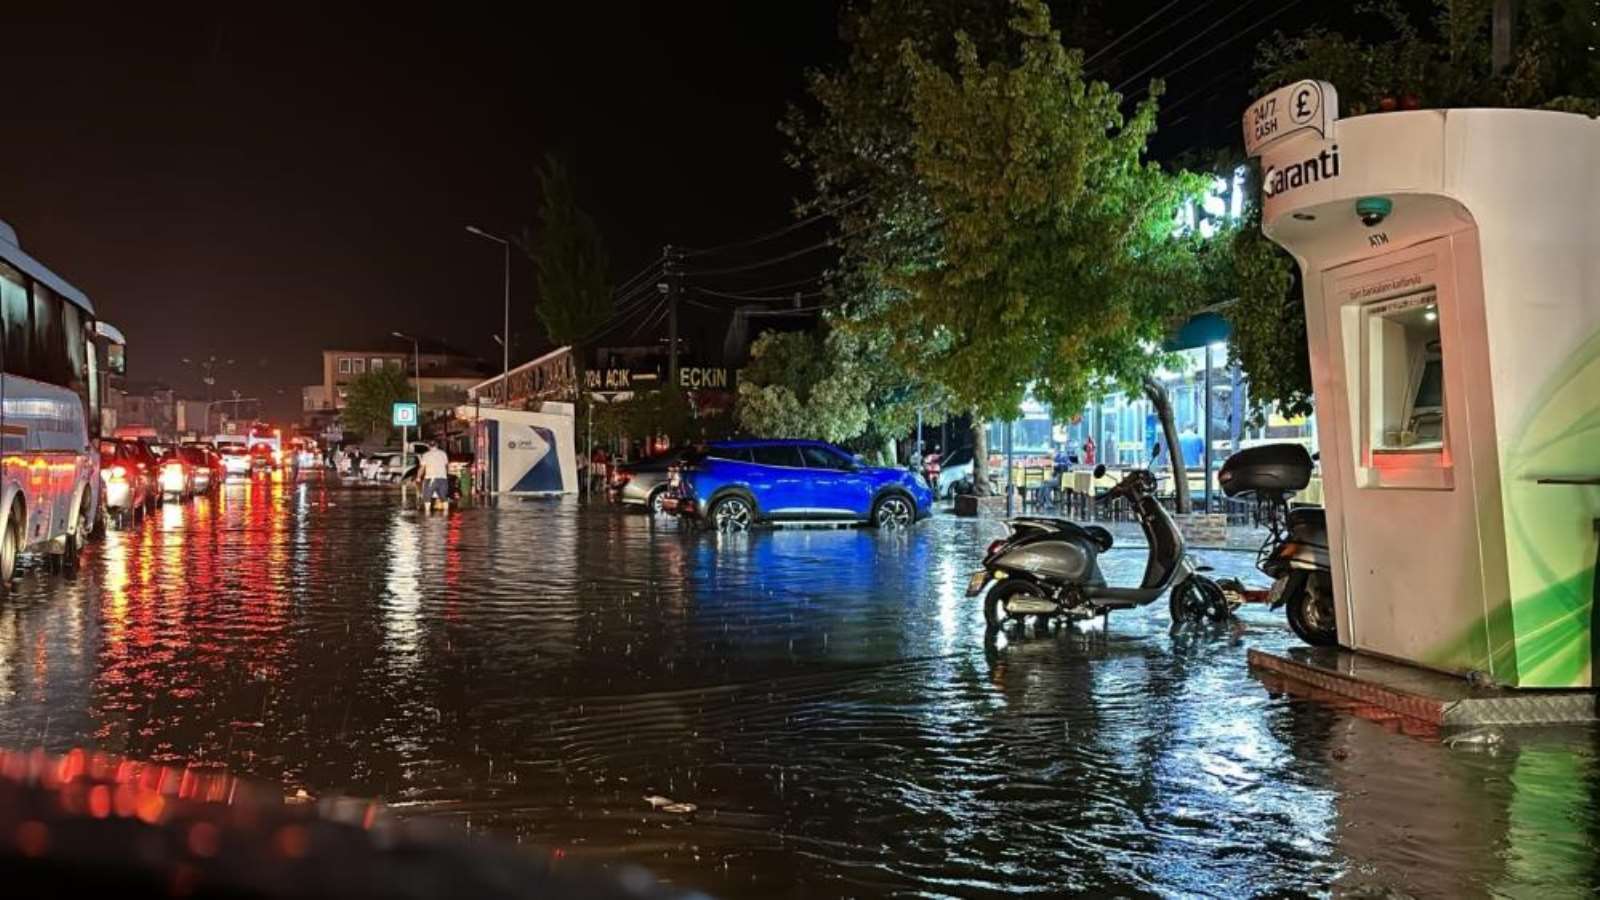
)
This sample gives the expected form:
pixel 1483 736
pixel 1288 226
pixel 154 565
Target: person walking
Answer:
pixel 931 468
pixel 433 472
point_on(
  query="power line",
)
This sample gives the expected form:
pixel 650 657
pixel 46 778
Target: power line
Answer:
pixel 1155 34
pixel 794 282
pixel 787 229
pixel 652 266
pixel 652 321
pixel 1131 31
pixel 1290 4
pixel 755 298
pixel 1167 107
pixel 762 264
pixel 1174 51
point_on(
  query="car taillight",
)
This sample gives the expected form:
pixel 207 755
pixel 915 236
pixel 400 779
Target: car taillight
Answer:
pixel 620 478
pixel 995 547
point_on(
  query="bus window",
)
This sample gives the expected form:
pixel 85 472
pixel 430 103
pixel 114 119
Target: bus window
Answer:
pixel 17 321
pixel 49 341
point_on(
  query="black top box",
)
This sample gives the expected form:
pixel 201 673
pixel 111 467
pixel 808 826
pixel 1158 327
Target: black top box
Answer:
pixel 1269 468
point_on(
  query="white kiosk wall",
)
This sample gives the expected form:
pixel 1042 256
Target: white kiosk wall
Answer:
pixel 522 452
pixel 1455 356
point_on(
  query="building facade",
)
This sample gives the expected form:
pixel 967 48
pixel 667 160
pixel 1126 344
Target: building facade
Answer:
pixel 440 374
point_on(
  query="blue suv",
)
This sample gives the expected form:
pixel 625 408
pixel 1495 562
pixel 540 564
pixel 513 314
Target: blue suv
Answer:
pixel 735 484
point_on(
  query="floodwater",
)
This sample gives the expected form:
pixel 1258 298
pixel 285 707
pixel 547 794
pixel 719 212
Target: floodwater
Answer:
pixel 825 699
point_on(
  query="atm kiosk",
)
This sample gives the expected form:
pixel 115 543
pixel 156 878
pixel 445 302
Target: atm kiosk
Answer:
pixel 1451 269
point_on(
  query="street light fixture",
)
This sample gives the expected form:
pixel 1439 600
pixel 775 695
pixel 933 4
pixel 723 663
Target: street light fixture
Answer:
pixel 207 367
pixel 505 345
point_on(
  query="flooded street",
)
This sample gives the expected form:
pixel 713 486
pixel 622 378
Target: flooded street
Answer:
pixel 825 699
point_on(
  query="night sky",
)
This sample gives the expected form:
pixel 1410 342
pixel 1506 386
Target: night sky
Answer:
pixel 260 183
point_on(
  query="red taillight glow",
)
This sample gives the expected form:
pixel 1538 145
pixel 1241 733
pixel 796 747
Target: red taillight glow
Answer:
pixel 995 547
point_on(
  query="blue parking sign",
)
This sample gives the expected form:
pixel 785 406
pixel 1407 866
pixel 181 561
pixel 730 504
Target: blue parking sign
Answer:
pixel 405 415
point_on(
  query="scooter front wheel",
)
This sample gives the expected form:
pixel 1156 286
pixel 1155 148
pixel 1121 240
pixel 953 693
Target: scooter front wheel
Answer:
pixel 996 606
pixel 1198 599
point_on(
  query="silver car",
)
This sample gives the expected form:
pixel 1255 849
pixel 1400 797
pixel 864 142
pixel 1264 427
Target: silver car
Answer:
pixel 643 483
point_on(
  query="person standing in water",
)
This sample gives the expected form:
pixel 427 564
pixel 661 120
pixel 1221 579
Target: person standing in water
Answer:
pixel 433 471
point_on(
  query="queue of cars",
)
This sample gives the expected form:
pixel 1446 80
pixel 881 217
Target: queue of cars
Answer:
pixel 737 484
pixel 138 474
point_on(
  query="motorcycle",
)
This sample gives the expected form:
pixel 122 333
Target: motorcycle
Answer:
pixel 1295 552
pixel 1049 567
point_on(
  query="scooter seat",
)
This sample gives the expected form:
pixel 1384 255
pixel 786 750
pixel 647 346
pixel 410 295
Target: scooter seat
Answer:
pixel 1096 536
pixel 1302 516
pixel 1100 536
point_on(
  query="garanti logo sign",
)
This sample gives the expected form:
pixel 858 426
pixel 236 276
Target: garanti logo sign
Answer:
pixel 1324 166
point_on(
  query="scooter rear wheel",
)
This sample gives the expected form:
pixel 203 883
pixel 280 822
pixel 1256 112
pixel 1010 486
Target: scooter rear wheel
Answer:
pixel 1308 603
pixel 995 612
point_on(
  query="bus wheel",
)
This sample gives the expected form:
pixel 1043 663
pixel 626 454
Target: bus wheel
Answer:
pixel 76 539
pixel 10 546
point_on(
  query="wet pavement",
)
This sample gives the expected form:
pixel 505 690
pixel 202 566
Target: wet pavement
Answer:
pixel 824 700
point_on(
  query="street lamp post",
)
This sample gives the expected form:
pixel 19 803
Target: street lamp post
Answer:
pixel 416 382
pixel 505 345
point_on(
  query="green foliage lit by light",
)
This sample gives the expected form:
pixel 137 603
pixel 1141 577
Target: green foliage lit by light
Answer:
pixel 371 401
pixel 1057 265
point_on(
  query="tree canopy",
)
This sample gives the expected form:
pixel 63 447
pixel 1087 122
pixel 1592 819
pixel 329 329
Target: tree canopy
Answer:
pixel 370 406
pixel 570 256
pixel 1058 269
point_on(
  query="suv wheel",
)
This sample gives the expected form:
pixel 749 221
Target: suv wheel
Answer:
pixel 732 514
pixel 893 511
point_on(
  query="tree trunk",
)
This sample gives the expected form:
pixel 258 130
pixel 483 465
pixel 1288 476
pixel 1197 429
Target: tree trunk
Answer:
pixel 980 457
pixel 1169 430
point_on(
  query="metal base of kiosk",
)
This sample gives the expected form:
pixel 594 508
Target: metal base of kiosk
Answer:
pixel 1430 697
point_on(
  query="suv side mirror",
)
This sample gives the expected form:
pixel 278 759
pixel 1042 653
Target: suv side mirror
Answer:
pixel 1100 470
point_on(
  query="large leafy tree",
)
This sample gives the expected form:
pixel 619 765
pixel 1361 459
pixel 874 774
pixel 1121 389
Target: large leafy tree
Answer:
pixel 570 257
pixel 1001 228
pixel 855 141
pixel 1058 268
pixel 370 406
pixel 1437 63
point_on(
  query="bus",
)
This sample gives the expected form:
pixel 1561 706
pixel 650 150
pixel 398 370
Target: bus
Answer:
pixel 112 348
pixel 49 412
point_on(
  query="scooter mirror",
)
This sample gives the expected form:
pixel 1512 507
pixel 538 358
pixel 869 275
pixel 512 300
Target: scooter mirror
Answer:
pixel 1100 471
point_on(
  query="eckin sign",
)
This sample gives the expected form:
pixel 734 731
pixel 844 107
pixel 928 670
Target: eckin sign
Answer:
pixel 404 415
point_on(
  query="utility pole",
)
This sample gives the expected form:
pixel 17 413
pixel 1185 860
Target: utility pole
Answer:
pixel 1504 36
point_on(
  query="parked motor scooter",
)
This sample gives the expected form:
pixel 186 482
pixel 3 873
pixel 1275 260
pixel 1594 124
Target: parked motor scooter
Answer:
pixel 1295 552
pixel 1050 567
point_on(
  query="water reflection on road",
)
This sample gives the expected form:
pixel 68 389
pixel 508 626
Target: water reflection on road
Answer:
pixel 825 698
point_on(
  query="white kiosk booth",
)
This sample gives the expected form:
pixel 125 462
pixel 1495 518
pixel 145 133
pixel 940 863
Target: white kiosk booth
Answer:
pixel 523 452
pixel 1451 266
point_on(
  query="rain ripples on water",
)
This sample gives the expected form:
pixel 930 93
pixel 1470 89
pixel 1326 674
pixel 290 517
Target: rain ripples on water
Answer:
pixel 803 713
